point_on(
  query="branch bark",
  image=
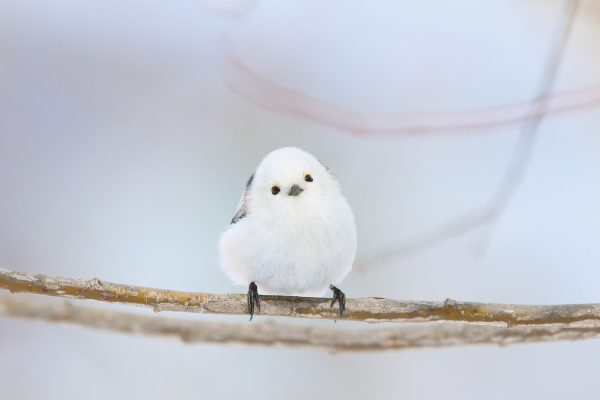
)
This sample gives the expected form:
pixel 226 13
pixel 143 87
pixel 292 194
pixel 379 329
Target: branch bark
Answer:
pixel 372 309
pixel 275 334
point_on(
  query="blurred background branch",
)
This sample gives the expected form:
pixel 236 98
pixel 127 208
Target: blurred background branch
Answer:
pixel 270 333
pixel 372 309
pixel 536 111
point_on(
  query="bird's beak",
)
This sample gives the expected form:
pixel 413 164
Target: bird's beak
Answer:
pixel 295 190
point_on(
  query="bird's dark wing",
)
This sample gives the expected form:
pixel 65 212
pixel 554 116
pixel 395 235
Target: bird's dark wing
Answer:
pixel 242 208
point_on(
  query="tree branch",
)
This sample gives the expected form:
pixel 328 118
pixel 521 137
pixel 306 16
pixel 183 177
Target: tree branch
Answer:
pixel 372 309
pixel 270 333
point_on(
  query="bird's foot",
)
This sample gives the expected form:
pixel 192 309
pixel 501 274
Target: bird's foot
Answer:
pixel 340 298
pixel 253 299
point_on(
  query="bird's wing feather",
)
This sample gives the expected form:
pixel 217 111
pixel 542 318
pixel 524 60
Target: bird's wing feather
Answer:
pixel 242 208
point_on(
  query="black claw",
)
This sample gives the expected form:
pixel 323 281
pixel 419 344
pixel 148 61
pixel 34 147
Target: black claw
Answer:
pixel 340 297
pixel 253 299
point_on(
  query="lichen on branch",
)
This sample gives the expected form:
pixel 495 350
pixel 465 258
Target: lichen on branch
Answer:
pixel 371 309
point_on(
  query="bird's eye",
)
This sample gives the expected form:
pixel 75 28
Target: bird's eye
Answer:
pixel 308 178
pixel 275 190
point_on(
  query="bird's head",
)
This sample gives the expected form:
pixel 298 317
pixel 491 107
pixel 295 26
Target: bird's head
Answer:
pixel 291 181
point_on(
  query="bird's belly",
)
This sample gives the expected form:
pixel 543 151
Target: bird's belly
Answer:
pixel 301 263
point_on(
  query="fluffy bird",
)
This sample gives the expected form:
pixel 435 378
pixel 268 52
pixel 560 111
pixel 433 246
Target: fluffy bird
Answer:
pixel 293 232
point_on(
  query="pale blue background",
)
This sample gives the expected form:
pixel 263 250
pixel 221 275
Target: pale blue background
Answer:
pixel 123 154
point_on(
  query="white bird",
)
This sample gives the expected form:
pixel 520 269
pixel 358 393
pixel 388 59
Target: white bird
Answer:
pixel 293 232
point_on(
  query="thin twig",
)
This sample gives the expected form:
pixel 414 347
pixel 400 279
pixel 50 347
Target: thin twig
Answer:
pixel 260 90
pixel 371 309
pixel 257 89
